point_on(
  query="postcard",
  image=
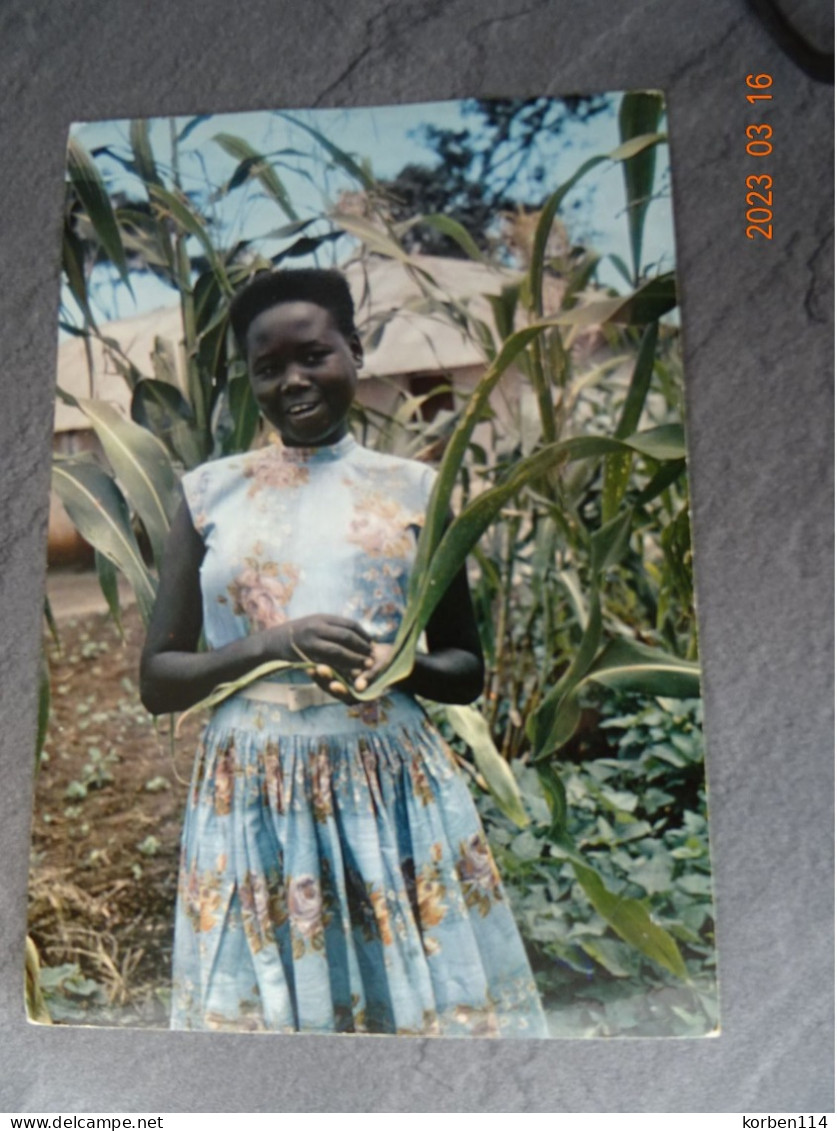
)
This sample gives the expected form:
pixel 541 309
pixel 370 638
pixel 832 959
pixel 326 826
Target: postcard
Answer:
pixel 370 466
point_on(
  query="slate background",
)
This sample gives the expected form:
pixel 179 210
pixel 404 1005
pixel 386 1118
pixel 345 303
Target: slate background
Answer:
pixel 758 339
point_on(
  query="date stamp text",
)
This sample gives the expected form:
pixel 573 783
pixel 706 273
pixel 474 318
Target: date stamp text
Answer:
pixel 759 198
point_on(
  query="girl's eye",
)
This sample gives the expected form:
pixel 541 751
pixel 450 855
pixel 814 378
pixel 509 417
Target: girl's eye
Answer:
pixel 315 357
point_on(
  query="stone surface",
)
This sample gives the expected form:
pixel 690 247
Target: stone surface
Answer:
pixel 757 328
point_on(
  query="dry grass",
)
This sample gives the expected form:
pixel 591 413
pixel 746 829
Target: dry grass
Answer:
pixel 101 908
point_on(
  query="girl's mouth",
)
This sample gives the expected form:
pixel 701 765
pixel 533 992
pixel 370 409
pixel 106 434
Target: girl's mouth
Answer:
pixel 302 409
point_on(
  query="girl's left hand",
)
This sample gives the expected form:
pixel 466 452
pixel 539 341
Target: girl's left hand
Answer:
pixel 324 676
pixel 381 654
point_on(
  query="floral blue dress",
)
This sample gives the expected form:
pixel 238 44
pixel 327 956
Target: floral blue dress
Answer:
pixel 334 873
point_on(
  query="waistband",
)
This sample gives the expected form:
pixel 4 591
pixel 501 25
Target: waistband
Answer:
pixel 292 696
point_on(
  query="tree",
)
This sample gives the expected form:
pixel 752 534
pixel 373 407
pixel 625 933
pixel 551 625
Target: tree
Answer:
pixel 495 164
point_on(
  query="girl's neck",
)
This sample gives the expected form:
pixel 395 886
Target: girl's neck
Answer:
pixel 319 452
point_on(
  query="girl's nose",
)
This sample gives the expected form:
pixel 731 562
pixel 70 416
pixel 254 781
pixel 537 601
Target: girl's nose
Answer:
pixel 294 379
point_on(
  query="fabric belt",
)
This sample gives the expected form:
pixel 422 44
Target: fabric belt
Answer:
pixel 293 696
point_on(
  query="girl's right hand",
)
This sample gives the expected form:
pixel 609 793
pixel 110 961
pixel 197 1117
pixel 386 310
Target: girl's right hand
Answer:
pixel 326 641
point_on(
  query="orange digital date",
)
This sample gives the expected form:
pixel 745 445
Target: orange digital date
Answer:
pixel 759 199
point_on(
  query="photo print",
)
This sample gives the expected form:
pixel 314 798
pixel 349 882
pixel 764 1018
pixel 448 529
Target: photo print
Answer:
pixel 371 698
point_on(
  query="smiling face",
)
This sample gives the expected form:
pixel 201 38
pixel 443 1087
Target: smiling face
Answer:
pixel 303 372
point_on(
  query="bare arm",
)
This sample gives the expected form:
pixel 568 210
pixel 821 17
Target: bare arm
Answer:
pixel 174 676
pixel 452 670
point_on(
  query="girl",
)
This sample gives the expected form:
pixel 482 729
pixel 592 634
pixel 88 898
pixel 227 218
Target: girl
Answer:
pixel 334 873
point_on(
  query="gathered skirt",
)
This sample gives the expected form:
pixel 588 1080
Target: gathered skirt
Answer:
pixel 335 877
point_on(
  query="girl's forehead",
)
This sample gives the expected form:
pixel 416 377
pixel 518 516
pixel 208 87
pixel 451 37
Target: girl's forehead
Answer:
pixel 292 321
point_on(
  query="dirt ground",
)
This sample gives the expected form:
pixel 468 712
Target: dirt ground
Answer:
pixel 108 807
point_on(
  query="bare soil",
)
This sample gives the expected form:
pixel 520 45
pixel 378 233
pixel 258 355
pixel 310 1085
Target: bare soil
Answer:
pixel 109 800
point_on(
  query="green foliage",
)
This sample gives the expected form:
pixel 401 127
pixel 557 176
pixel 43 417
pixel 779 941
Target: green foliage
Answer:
pixel 68 996
pixel 44 695
pixel 472 728
pixel 98 508
pixel 639 818
pixel 94 774
pixel 89 187
pixel 639 115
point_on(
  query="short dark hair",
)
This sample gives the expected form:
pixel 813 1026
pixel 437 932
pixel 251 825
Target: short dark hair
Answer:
pixel 326 288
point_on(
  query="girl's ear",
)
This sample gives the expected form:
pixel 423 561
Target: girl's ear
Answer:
pixel 356 349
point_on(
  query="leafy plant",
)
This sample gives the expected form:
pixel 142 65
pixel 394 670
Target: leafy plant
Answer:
pixel 642 830
pixel 68 995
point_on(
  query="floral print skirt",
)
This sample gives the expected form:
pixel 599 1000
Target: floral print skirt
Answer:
pixel 335 878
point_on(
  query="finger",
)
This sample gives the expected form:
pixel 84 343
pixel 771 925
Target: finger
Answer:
pixel 322 652
pixel 382 658
pixel 341 658
pixel 340 692
pixel 380 666
pixel 350 640
pixel 347 623
pixel 331 685
pixel 340 654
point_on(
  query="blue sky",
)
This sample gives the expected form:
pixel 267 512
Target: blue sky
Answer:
pixel 387 138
